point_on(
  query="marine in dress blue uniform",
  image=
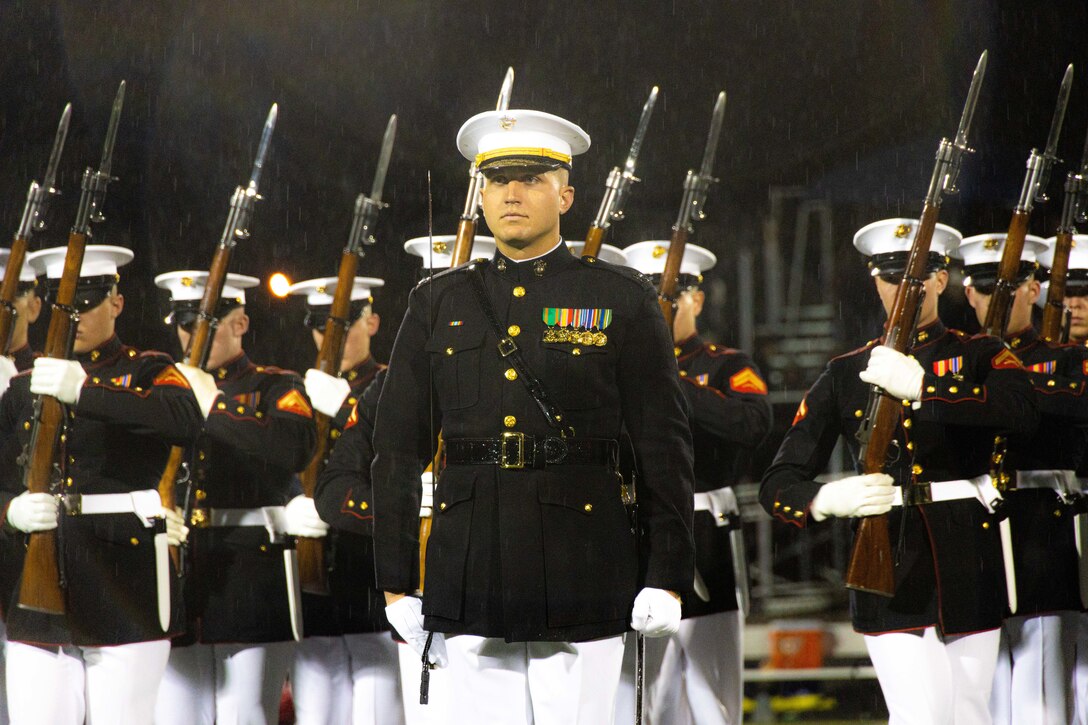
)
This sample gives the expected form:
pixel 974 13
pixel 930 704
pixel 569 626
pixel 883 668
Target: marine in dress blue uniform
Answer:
pixel 103 659
pixel 532 552
pixel 1037 476
pixel 345 669
pixel 934 643
pixel 243 614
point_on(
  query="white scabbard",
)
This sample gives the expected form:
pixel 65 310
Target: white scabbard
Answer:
pixel 1005 528
pixel 1080 530
pixel 294 591
pixel 162 579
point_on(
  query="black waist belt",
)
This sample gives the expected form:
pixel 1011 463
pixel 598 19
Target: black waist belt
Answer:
pixel 517 450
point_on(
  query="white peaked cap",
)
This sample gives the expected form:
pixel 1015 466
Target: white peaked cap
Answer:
pixel 649 258
pixel 440 253
pixel 98 260
pixel 320 291
pixel 897 235
pixel 1078 255
pixel 188 284
pixel 26 274
pixel 988 248
pixel 491 136
pixel 608 253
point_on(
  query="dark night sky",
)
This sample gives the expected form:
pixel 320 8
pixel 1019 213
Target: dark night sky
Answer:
pixel 846 99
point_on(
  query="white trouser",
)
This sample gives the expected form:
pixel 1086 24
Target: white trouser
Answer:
pixel 1080 673
pixel 537 683
pixel 1035 670
pixel 3 677
pixel 225 684
pixel 436 711
pixel 693 676
pixel 350 679
pixel 76 685
pixel 929 682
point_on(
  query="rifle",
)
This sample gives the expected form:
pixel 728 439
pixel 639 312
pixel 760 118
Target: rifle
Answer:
pixel 618 184
pixel 692 209
pixel 466 227
pixel 1074 209
pixel 311 552
pixel 236 229
pixel 871 568
pixel 40 588
pixel 1033 189
pixel 38 199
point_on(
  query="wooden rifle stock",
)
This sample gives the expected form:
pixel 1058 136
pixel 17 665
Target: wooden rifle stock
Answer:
pixel 670 278
pixel 871 568
pixel 311 552
pixel 1054 312
pixel 1008 270
pixel 9 290
pixel 594 240
pixel 40 588
pixel 462 245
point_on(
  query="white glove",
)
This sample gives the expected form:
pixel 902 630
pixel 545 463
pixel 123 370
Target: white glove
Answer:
pixel 656 613
pixel 302 518
pixel 62 379
pixel 203 385
pixel 866 495
pixel 326 392
pixel 899 375
pixel 177 533
pixel 32 512
pixel 406 616
pixel 7 372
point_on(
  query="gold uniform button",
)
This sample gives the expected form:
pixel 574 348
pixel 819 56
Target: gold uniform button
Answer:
pixel 1050 383
pixel 134 541
pixel 132 353
pixel 953 389
pixel 26 425
pixel 69 481
pixel 916 469
pixel 1058 513
pixel 352 401
pixel 513 331
pixel 260 368
pixel 96 381
pixel 976 391
pixel 449 350
pixel 576 351
pixel 858 413
pixel 95 355
pixel 985 524
pixel 221 373
pixel 442 506
pixel 201 494
pixel 906 403
pixel 787 509
pixel 511 374
pixel 351 504
pixel 798 514
pixel 263 547
pixel 240 409
pixel 910 445
pixel 221 406
pixel 509 421
pixel 778 504
pixel 907 423
pixel 201 456
pixel 931 389
pixel 676 351
pixel 519 291
pixel 588 507
pixel 364 506
pixel 260 414
pixel 334 434
pixel 683 373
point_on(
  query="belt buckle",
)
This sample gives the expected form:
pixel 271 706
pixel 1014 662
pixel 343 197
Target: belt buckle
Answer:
pixel 504 451
pixel 918 494
pixel 73 503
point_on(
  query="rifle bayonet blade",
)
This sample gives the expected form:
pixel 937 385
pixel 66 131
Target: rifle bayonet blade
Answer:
pixel 383 160
pixel 111 132
pixel 58 146
pixel 712 137
pixel 262 149
pixel 970 104
pixel 506 90
pixel 1059 113
pixel 640 133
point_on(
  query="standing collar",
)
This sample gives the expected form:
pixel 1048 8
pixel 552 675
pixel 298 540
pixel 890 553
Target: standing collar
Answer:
pixel 232 368
pixel 1024 338
pixel 102 354
pixel 688 346
pixel 362 371
pixel 558 259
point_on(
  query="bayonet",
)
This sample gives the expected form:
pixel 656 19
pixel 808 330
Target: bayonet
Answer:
pixel 367 207
pixel 1038 167
pixel 111 132
pixel 506 90
pixel 618 184
pixel 262 149
pixel 39 196
pixel 698 183
pixel 50 178
pixel 95 181
pixel 950 153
